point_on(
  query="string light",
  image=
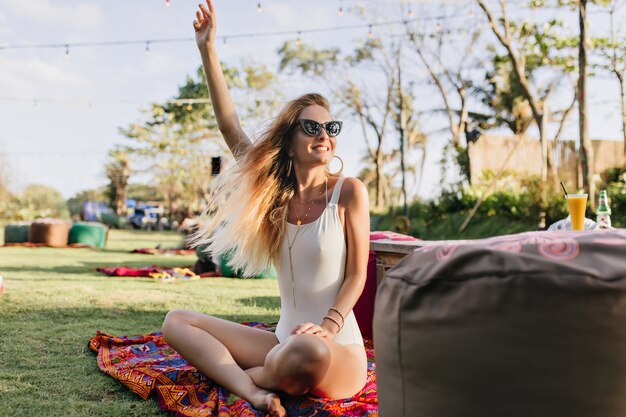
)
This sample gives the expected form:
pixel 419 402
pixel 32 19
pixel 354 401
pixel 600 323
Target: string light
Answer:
pixel 438 27
pixel 259 7
pixel 147 50
pixel 340 8
pixel 370 34
pixel 66 46
pixel 410 12
pixel 167 3
pixel 225 42
pixel 67 51
pixel 298 40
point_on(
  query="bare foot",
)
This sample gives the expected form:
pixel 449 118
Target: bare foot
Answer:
pixel 270 402
pixel 274 407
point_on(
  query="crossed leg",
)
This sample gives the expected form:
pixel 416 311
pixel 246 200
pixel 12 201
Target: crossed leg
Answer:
pixel 221 349
pixel 303 363
pixel 308 363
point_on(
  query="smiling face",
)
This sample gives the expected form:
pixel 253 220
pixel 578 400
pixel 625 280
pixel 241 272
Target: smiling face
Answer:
pixel 313 150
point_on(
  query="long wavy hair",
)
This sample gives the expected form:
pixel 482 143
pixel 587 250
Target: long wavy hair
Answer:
pixel 246 218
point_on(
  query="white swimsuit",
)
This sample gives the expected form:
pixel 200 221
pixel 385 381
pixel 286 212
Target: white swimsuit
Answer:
pixel 319 262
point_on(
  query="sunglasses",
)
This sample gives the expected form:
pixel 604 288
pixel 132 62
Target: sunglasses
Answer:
pixel 313 128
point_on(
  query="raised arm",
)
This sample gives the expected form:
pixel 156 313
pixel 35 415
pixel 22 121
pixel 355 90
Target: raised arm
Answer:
pixel 205 26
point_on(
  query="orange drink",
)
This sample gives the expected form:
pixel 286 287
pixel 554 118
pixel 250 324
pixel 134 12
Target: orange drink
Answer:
pixel 577 204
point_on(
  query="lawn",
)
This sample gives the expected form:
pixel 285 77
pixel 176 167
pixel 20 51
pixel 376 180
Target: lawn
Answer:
pixel 55 301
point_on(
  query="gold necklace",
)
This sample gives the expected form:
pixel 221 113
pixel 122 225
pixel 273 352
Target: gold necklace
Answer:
pixel 290 244
pixel 311 200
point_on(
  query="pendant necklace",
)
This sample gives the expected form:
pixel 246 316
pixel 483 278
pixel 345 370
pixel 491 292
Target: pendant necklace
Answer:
pixel 290 244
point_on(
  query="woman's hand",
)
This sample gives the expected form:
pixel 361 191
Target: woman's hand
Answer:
pixel 310 328
pixel 205 25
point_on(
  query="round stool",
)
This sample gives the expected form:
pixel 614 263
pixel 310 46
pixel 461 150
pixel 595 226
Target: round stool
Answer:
pixel 88 234
pixel 229 272
pixel 49 232
pixel 202 254
pixel 16 232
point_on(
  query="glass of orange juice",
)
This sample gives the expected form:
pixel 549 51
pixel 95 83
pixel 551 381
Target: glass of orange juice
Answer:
pixel 577 203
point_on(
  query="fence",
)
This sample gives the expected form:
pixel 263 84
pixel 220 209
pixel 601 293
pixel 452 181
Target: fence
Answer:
pixel 522 156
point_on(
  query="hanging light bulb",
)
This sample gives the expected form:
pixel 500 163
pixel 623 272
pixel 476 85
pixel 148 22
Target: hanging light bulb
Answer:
pixel 410 12
pixel 67 51
pixel 298 40
pixel 370 34
pixel 167 3
pixel 438 27
pixel 147 50
pixel 259 7
pixel 225 43
pixel 340 11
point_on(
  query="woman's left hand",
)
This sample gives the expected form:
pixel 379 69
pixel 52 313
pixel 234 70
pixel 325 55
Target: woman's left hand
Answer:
pixel 311 328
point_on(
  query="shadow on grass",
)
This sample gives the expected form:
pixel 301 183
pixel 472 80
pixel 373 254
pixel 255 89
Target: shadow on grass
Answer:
pixel 90 267
pixel 67 323
pixel 267 302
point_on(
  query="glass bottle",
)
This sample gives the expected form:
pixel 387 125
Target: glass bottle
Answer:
pixel 603 213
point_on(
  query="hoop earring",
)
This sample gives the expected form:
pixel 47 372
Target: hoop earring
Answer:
pixel 338 173
pixel 289 166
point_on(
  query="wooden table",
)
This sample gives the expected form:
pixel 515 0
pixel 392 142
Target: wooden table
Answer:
pixel 390 252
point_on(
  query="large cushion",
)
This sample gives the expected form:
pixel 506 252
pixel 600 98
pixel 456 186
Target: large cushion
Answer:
pixel 16 232
pixel 88 234
pixel 525 325
pixel 49 232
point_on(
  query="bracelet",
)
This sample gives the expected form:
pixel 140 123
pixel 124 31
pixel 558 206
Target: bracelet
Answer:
pixel 334 321
pixel 336 310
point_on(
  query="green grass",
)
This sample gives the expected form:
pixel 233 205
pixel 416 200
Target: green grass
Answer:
pixel 55 301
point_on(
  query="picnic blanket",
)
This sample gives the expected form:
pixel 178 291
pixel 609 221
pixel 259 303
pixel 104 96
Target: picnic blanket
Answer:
pixel 158 251
pixel 149 367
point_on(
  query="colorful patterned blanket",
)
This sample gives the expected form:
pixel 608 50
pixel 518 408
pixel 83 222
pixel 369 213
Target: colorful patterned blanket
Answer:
pixel 149 367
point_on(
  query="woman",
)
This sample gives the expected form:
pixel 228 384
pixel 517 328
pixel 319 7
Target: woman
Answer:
pixel 282 206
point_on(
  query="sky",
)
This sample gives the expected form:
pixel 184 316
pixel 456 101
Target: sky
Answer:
pixel 60 112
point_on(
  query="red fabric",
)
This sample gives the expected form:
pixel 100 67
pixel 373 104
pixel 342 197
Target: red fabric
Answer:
pixel 364 308
pixel 145 271
pixel 125 271
pixel 154 251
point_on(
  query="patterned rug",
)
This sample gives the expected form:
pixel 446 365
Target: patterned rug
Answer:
pixel 149 367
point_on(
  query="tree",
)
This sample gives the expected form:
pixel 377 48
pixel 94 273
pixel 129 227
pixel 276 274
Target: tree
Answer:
pixel 543 42
pixel 5 195
pixel 451 81
pixel 175 141
pixel 118 171
pixel 613 50
pixel 42 201
pixel 379 111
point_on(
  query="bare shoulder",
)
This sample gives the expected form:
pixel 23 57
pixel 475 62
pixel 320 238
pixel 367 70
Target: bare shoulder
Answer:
pixel 353 193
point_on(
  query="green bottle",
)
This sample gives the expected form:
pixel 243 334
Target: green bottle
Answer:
pixel 603 213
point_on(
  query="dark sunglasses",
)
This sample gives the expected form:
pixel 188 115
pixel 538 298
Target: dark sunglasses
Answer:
pixel 313 128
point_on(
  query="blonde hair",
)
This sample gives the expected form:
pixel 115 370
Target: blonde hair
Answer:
pixel 246 217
